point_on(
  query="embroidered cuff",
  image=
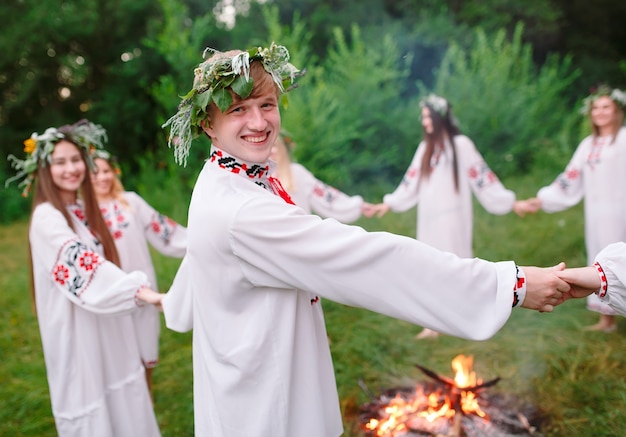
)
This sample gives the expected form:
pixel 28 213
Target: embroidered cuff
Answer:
pixel 601 292
pixel 519 289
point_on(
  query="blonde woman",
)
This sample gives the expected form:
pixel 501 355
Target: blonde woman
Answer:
pixel 135 226
pixel 596 173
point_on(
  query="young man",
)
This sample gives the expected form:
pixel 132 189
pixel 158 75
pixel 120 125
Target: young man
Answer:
pixel 256 264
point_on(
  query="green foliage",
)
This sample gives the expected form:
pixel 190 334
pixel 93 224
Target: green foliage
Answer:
pixel 511 109
pixel 344 113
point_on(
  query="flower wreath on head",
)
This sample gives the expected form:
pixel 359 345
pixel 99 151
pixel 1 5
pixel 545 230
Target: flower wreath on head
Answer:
pixel 213 79
pixel 438 103
pixel 615 94
pixel 85 134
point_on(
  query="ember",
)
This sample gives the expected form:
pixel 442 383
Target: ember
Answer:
pixel 457 407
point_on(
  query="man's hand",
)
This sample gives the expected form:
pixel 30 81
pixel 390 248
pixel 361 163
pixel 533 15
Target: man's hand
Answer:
pixel 544 289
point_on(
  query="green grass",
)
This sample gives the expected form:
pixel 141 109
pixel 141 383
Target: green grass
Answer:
pixel 576 379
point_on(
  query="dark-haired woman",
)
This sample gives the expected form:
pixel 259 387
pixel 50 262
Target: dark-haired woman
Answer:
pixel 446 169
pixel 83 300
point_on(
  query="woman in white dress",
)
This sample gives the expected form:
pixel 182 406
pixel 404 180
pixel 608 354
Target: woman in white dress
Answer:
pixel 597 173
pixel 444 172
pixel 83 300
pixel 308 192
pixel 135 225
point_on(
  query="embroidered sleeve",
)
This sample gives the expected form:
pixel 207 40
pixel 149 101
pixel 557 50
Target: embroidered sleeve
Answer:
pixel 75 267
pixel 328 201
pixel 484 183
pixel 163 233
pixel 610 264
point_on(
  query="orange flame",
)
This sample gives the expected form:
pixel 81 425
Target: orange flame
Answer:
pixel 432 406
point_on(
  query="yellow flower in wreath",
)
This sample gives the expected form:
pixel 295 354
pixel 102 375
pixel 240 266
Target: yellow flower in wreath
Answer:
pixel 30 145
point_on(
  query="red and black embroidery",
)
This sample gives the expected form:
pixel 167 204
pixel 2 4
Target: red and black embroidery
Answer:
pixel 326 192
pixel 75 267
pixel 481 175
pixel 116 220
pixel 163 227
pixel 254 171
pixel 79 213
pixel 593 158
pixel 565 179
pixel 519 289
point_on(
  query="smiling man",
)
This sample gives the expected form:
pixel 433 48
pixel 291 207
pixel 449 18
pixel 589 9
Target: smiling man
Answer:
pixel 256 264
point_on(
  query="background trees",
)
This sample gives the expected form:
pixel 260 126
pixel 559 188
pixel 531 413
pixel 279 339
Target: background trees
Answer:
pixel 503 65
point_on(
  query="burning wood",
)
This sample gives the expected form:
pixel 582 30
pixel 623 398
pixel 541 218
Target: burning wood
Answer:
pixel 445 407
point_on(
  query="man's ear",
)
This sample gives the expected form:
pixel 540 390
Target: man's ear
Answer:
pixel 206 127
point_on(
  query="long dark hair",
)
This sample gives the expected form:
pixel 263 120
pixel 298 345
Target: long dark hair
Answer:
pixel 444 127
pixel 47 191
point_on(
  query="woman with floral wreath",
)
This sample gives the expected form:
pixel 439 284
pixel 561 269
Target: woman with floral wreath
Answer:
pixel 135 225
pixel 597 173
pixel 444 172
pixel 83 300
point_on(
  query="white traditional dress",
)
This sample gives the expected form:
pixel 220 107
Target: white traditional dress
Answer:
pixel 597 173
pixel 133 227
pixel 314 196
pixel 445 216
pixel 612 262
pixel 249 287
pixel 84 305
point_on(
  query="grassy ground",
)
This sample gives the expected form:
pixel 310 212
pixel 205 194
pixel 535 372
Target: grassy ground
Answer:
pixel 576 379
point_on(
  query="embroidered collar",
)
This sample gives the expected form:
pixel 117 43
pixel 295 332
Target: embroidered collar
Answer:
pixel 258 173
pixel 255 172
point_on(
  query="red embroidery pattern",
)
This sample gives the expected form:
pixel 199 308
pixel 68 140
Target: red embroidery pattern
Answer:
pixel 60 274
pixel 254 171
pixel 315 300
pixel 75 267
pixel 593 158
pixel 481 175
pixel 88 260
pixel 278 189
pixel 164 227
pixel 604 285
pixel 565 179
pixel 115 220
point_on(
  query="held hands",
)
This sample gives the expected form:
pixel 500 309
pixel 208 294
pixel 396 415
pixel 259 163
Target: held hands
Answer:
pixel 150 296
pixel 583 281
pixel 369 210
pixel 544 288
pixel 528 206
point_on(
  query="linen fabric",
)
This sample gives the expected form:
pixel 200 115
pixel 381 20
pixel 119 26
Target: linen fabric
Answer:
pixel 249 287
pixel 84 305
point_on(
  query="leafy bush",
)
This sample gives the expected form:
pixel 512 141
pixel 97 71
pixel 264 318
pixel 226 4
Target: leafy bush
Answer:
pixel 509 107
